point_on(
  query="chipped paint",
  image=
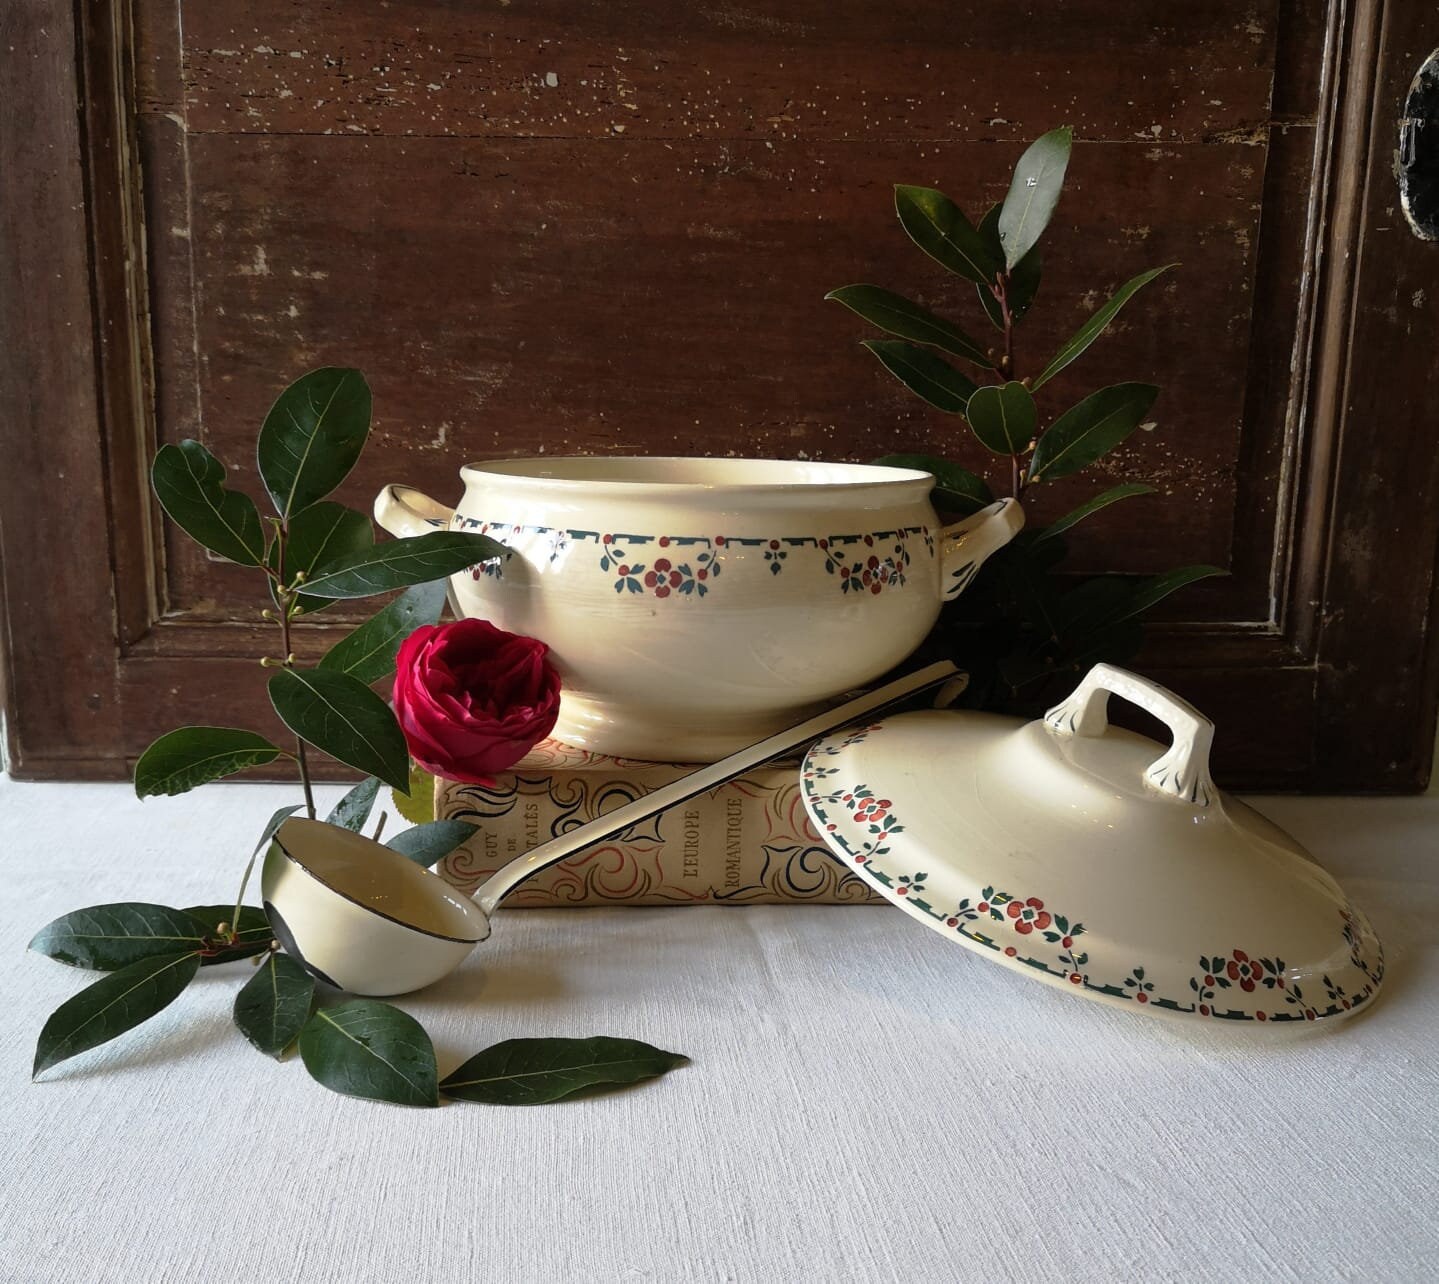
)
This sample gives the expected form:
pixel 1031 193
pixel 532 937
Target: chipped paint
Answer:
pixel 259 265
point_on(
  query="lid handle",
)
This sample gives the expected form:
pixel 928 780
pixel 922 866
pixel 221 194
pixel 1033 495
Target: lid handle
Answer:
pixel 1183 770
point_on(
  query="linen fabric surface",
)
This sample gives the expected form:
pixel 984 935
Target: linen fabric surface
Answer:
pixel 866 1102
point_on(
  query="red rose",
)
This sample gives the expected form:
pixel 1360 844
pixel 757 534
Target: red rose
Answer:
pixel 472 699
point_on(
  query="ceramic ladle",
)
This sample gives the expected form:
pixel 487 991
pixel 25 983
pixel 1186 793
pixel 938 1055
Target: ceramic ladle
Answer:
pixel 365 918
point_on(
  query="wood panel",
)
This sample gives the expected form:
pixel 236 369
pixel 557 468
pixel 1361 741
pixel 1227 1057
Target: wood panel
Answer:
pixel 598 311
pixel 798 69
pixel 608 227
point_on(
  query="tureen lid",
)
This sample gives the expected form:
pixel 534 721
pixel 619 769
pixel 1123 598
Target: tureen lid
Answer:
pixel 1094 859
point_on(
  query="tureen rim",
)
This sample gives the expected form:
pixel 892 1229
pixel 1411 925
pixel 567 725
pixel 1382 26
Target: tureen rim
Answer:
pixel 537 470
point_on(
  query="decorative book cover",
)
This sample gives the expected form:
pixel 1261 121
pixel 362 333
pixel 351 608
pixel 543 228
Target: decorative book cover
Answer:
pixel 553 755
pixel 746 843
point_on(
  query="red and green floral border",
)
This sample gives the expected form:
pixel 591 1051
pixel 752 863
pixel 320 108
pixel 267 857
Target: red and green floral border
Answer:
pixel 1014 925
pixel 688 565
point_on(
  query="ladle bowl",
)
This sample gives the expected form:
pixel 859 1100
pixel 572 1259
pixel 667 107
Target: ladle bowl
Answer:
pixel 365 918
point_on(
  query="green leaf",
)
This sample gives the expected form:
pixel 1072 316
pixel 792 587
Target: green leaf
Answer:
pixel 312 437
pixel 938 226
pixel 1115 643
pixel 279 818
pixel 191 756
pixel 271 825
pixel 369 652
pixel 253 933
pixel 1032 592
pixel 957 490
pixel 1092 604
pixel 924 374
pixel 1023 277
pixel 274 1004
pixel 1092 428
pixel 401 562
pixel 1095 326
pixel 1033 192
pixel 426 844
pixel 528 1072
pixel 353 810
pixel 898 315
pixel 369 1049
pixel 108 937
pixel 1003 417
pixel 1018 671
pixel 417 805
pixel 114 1004
pixel 342 717
pixel 1154 590
pixel 322 533
pixel 188 482
pixel 1113 495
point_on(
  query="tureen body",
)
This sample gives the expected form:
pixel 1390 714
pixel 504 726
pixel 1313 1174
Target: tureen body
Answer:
pixel 694 606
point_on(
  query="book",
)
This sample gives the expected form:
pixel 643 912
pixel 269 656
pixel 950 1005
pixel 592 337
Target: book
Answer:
pixel 749 842
pixel 553 755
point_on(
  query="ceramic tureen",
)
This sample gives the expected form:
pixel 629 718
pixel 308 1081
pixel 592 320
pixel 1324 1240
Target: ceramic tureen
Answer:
pixel 1095 859
pixel 695 606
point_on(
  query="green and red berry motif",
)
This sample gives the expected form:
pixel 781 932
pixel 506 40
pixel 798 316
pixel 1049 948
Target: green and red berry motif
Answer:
pixel 688 565
pixel 874 814
pixel 1140 990
pixel 661 577
pixel 1014 925
pixel 830 748
pixel 866 572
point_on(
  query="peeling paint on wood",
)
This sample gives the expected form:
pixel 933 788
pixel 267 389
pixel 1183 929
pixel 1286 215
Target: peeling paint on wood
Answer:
pixel 800 69
pixel 566 223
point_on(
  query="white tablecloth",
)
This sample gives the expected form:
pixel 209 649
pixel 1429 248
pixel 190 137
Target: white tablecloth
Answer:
pixel 866 1102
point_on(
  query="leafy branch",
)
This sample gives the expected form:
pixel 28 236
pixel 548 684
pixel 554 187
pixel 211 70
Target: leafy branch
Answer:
pixel 312 552
pixel 316 552
pixel 1015 628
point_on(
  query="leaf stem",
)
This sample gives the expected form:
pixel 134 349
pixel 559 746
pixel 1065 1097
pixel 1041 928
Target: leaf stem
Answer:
pixel 287 610
pixel 240 895
pixel 1001 294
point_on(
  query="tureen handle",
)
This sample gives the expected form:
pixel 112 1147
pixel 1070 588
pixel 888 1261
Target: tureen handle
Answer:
pixel 1183 770
pixel 404 511
pixel 964 546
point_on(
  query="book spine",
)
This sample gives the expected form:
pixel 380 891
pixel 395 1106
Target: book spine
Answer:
pixel 748 842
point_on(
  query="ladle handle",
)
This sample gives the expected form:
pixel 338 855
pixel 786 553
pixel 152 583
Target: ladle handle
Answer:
pixel 505 880
pixel 1183 770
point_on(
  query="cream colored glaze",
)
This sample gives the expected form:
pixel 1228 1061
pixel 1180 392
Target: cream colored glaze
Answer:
pixel 381 879
pixel 760 632
pixel 992 811
pixel 363 917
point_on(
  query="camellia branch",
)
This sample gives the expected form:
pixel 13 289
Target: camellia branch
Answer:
pixel 1000 290
pixel 288 606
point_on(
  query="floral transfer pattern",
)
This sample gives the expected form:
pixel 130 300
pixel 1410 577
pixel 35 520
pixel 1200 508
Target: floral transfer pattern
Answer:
pixel 1028 932
pixel 665 566
pixel 663 576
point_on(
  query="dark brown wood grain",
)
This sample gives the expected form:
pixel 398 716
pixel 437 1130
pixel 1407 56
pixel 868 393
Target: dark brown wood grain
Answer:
pixel 1377 651
pixel 648 68
pixel 59 610
pixel 609 227
pixel 598 313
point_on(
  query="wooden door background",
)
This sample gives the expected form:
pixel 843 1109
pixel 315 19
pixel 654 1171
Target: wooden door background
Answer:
pixel 561 225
